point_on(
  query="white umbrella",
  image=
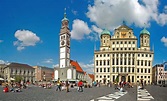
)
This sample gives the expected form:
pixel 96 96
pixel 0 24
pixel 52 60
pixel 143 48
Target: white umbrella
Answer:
pixel 12 79
pixel 1 79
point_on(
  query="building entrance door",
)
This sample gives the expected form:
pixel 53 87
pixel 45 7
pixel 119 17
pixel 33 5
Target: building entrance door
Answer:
pixel 123 78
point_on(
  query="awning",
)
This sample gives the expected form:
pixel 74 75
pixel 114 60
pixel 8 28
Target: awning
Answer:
pixel 1 79
pixel 12 79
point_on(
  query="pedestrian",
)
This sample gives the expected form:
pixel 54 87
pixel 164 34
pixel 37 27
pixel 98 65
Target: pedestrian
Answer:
pixel 80 86
pixel 67 86
pixel 115 85
pixel 58 85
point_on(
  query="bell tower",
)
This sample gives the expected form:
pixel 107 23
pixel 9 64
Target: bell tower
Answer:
pixel 64 43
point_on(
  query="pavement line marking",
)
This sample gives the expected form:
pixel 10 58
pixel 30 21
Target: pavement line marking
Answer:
pixel 143 94
pixel 110 97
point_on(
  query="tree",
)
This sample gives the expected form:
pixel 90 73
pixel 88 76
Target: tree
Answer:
pixel 18 78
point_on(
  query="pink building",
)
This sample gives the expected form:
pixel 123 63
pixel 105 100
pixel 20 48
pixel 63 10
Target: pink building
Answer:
pixel 159 73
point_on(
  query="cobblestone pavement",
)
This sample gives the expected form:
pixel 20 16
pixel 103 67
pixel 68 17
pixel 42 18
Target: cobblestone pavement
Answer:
pixel 89 94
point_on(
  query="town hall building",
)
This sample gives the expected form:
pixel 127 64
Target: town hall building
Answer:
pixel 119 58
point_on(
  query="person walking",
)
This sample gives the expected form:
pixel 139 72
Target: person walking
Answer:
pixel 67 86
pixel 58 85
pixel 80 85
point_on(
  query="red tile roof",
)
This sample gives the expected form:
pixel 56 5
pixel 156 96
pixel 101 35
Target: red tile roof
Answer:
pixel 91 76
pixel 78 68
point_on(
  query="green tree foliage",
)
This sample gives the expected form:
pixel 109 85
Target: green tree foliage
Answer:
pixel 18 78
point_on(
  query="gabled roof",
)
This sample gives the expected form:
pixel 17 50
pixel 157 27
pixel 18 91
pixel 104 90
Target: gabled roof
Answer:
pixel 78 68
pixel 91 76
pixel 124 27
pixel 19 65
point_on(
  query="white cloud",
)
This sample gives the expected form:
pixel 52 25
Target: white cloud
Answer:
pixel 165 9
pixel 74 12
pixel 2 62
pixel 111 13
pixel 164 40
pixel 25 38
pixel 79 29
pixel 56 65
pixel 97 31
pixel 89 68
pixel 1 41
pixel 48 61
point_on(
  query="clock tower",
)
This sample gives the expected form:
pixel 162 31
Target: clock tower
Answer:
pixel 64 43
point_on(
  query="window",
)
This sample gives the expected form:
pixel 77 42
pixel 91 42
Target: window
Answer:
pixel 125 69
pixel 117 42
pixel 113 42
pixel 148 70
pixel 104 55
pixel 138 55
pixel 146 55
pixel 117 69
pixel 145 76
pixel 117 48
pixel 133 42
pixel 145 70
pixel 138 62
pixel 141 70
pixel 121 61
pixel 96 62
pixel 104 62
pixel 96 55
pixel 148 76
pixel 113 69
pixel 133 48
pixel 129 42
pixel 108 69
pixel 100 62
pixel 133 70
pixel 108 76
pixel 137 76
pixel 149 63
pixel 100 69
pixel 142 55
pixel 121 42
pixel 100 76
pixel 150 55
pixel 97 70
pixel 113 78
pixel 124 61
pixel 129 61
pixel 108 55
pixel 141 76
pixel 96 76
pixel 133 61
pixel 117 61
pixel 129 69
pixel 104 69
pixel 121 70
pixel 125 48
pixel 100 55
pixel 125 42
pixel 141 62
pixel 113 61
pixel 132 78
pixel 145 62
pixel 138 70
pixel 108 62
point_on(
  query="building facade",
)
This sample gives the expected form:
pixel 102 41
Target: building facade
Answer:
pixel 159 73
pixel 119 58
pixel 43 73
pixel 2 70
pixel 26 72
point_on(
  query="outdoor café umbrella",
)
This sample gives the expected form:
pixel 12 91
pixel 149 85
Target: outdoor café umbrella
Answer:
pixel 1 79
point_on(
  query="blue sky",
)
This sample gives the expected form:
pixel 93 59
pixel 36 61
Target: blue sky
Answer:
pixel 29 29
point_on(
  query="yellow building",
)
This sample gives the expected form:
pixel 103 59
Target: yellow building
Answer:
pixel 119 57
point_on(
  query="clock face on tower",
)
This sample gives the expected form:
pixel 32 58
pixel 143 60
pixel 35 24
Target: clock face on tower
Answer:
pixel 62 42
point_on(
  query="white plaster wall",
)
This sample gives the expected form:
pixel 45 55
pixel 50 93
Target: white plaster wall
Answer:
pixel 69 74
pixel 56 75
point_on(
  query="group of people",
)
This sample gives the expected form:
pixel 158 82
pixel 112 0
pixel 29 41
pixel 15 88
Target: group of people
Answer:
pixel 66 85
pixel 14 87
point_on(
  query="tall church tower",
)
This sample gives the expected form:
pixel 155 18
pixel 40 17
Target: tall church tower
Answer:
pixel 64 43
